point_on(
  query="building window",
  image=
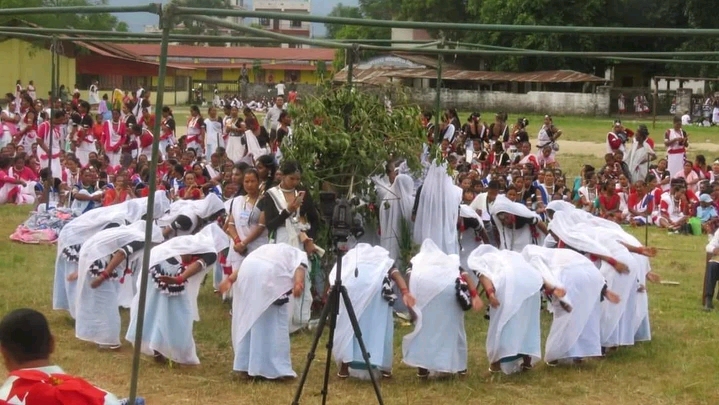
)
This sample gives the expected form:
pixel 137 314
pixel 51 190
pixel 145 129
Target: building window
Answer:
pixel 214 75
pixel 265 22
pixel 296 24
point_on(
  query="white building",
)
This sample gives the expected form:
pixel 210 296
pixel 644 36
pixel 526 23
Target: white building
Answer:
pixel 287 27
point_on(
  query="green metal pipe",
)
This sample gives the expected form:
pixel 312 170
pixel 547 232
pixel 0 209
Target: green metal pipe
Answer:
pixel 269 34
pixel 166 24
pixel 438 99
pixel 148 8
pixel 534 29
pixel 26 36
pixel 603 53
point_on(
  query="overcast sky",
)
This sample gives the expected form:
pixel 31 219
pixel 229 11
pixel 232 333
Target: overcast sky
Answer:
pixel 137 21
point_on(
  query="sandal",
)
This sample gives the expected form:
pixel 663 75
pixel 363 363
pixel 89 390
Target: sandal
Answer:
pixel 386 374
pixel 462 373
pixel 342 376
pixel 422 373
pixel 527 367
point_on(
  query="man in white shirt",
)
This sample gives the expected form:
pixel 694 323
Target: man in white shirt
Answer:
pixel 280 87
pixel 273 114
pixel 26 345
pixel 686 118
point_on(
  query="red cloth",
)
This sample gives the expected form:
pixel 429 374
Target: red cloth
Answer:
pixel 35 387
pixel 609 202
pixel 614 141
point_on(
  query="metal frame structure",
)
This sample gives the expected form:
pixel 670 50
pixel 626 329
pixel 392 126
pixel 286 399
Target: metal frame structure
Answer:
pixel 168 13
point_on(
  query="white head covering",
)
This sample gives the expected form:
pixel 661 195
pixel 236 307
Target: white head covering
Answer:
pixel 504 204
pixel 395 207
pixel 204 209
pixel 88 224
pixel 438 210
pixel 137 207
pixel 211 239
pixel 107 242
pixel 560 205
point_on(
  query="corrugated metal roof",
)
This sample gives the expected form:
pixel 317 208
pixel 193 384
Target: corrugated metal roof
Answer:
pixel 426 61
pixel 385 75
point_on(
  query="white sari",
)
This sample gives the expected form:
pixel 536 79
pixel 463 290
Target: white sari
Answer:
pixel 514 328
pixel 637 158
pixel 438 210
pixel 98 318
pixel 374 314
pixel 395 213
pixel 260 330
pixel 573 334
pixel 515 239
pixel 438 342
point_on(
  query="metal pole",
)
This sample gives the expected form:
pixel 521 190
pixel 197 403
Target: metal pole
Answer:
pixel 166 24
pixel 438 99
pixel 654 106
pixel 535 29
pixel 149 8
pixel 350 66
pixel 50 182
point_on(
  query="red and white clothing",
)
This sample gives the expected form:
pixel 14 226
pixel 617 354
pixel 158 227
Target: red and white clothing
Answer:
pixel 545 161
pixel 51 137
pixel 530 159
pixel 692 179
pixel 30 137
pixel 9 127
pixel 676 153
pixel 213 137
pixel 113 139
pixel 167 134
pixel 672 209
pixel 85 141
pixel 17 387
pixel 31 92
pixel 195 130
pixel 27 192
pixel 617 141
pixel 639 204
pixel 621 105
pixel 70 178
pixel 144 142
pixel 9 191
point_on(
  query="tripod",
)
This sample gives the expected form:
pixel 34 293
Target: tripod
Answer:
pixel 331 310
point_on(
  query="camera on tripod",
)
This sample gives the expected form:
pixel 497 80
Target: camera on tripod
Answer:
pixel 340 214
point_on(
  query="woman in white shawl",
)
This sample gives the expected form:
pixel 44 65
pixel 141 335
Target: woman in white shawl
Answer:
pixel 575 331
pixel 368 273
pixel 516 224
pixel 187 217
pixel 513 289
pixel 438 343
pixel 260 317
pixel 176 271
pixel 438 210
pixel 395 214
pixel 639 155
pixel 69 242
pixel 103 266
pixel 552 207
pixel 616 263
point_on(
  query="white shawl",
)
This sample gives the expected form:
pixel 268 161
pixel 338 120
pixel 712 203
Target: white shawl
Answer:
pixel 637 159
pixel 432 272
pixel 202 209
pixel 210 239
pixel 514 281
pixel 372 264
pixel 137 207
pixel 583 283
pixel 265 275
pixel 438 210
pixel 292 225
pixel 510 238
pixel 395 207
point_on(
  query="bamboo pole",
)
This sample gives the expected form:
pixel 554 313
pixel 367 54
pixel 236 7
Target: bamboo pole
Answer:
pixel 438 97
pixel 50 182
pixel 535 29
pixel 166 24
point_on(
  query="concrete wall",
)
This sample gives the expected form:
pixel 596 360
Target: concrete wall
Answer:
pixel 540 102
pixel 25 61
pixel 264 90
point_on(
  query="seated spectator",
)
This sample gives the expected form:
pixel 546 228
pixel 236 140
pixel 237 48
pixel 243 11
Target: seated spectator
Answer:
pixel 121 191
pixel 707 214
pixel 674 210
pixel 26 345
pixel 609 203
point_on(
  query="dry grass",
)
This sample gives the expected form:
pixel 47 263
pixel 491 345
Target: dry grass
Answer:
pixel 678 366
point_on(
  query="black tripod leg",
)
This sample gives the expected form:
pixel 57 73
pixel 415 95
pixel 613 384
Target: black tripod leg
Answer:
pixel 335 299
pixel 332 301
pixel 360 342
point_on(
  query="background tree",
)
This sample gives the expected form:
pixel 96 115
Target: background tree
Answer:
pixel 101 22
pixel 192 27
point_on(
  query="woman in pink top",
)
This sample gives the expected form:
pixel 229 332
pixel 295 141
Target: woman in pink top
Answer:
pixel 689 175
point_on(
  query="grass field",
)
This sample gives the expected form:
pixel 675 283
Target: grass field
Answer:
pixel 679 366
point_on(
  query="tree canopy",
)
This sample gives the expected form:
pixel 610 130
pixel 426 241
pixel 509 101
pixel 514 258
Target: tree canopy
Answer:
pixel 101 22
pixel 598 13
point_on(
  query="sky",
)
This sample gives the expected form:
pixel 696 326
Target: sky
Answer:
pixel 137 21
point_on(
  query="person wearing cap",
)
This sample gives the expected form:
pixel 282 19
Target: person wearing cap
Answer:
pixel 639 155
pixel 26 345
pixel 707 213
pixel 675 139
pixel 617 137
